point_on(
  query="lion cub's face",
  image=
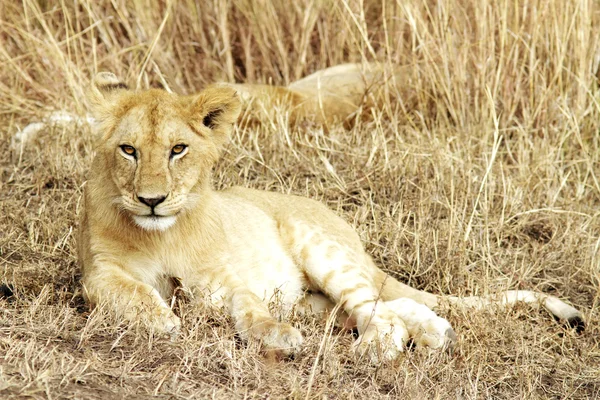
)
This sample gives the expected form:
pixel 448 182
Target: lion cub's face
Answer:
pixel 158 147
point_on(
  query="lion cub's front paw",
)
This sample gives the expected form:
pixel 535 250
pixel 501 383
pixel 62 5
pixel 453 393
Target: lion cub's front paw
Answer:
pixel 382 341
pixel 278 337
pixel 165 321
pixel 160 319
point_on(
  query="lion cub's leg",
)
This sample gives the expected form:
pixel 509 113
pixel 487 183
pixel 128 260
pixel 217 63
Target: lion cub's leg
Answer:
pixel 338 271
pixel 135 300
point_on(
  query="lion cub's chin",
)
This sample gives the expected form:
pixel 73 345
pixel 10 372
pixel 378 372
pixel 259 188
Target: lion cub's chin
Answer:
pixel 154 223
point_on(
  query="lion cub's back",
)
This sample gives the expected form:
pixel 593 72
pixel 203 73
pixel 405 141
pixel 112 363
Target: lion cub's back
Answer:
pixel 285 208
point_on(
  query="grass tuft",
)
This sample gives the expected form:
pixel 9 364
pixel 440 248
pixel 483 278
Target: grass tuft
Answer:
pixel 482 175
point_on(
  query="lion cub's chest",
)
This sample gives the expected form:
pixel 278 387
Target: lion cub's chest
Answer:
pixel 253 255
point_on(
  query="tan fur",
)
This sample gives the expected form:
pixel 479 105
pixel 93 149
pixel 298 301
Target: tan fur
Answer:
pixel 242 248
pixel 327 96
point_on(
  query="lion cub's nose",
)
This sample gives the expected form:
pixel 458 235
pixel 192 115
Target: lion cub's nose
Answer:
pixel 152 201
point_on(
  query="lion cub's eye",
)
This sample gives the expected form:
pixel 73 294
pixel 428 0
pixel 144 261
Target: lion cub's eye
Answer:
pixel 128 150
pixel 178 149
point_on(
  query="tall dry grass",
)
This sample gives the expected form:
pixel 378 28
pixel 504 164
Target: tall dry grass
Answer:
pixel 482 175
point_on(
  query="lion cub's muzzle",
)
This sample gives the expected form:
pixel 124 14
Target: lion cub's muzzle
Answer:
pixel 156 218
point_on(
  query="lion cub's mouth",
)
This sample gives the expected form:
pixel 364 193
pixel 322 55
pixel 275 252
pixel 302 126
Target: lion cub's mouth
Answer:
pixel 154 222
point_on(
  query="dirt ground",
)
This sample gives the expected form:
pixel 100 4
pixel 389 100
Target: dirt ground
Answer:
pixel 482 176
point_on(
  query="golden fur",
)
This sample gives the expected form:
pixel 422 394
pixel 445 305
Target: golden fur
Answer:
pixel 327 96
pixel 151 216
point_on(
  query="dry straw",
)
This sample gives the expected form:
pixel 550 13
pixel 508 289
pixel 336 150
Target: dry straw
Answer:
pixel 481 175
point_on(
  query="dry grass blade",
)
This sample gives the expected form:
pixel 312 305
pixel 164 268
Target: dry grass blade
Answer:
pixel 479 173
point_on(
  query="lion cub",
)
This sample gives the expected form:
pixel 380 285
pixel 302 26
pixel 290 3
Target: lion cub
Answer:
pixel 150 215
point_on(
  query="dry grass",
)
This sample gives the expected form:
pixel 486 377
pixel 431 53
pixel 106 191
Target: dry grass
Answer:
pixel 485 177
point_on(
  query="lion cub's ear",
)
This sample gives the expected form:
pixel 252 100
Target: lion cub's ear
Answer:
pixel 216 108
pixel 106 88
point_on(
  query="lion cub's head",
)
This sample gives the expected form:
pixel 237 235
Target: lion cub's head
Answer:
pixel 158 148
